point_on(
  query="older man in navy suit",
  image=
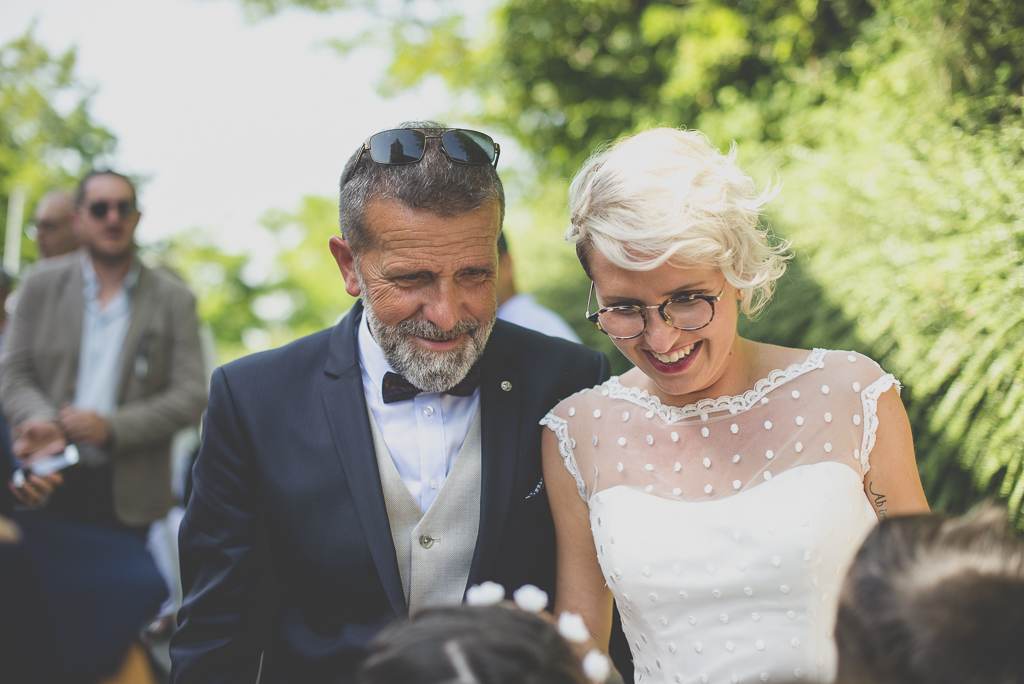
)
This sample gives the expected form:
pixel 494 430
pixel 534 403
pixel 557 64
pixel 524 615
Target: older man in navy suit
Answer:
pixel 384 465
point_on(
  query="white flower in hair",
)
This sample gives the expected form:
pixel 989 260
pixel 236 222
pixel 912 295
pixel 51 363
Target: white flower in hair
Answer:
pixel 530 598
pixel 595 666
pixel 572 627
pixel 486 594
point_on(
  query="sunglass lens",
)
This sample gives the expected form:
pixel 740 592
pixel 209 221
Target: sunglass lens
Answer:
pixel 469 147
pixel 397 147
pixel 98 209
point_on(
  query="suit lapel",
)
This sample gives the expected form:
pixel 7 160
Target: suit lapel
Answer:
pixel 72 315
pixel 501 398
pixel 142 312
pixel 350 429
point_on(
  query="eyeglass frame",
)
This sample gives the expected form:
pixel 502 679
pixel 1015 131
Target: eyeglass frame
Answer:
pixel 642 310
pixel 366 148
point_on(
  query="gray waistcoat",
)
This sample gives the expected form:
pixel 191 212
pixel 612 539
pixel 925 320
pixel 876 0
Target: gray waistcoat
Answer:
pixel 434 549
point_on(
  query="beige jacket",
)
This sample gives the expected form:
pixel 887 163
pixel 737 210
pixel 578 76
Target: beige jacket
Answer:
pixel 162 386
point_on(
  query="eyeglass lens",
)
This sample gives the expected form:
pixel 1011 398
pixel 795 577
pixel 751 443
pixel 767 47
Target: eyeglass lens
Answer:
pixel 125 208
pixel 684 314
pixel 468 146
pixel 397 147
pixel 404 146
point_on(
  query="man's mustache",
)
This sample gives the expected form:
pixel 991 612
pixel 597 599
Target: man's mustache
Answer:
pixel 431 331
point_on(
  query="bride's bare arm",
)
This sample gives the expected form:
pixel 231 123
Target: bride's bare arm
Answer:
pixel 580 586
pixel 893 484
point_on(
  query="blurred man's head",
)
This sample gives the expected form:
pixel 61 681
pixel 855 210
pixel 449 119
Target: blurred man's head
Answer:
pixel 105 216
pixel 419 246
pixel 53 225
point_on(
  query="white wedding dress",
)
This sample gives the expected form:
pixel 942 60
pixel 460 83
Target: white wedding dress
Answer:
pixel 724 528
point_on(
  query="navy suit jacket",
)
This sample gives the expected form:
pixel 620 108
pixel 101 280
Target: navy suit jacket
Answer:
pixel 287 517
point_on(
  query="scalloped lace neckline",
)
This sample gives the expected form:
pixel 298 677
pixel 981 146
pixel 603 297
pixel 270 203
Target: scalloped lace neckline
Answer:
pixel 734 403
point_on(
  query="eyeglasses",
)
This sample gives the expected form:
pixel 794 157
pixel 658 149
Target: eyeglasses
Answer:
pixel 125 208
pixel 406 146
pixel 691 312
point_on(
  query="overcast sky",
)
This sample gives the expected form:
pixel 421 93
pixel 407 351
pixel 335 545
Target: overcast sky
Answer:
pixel 227 118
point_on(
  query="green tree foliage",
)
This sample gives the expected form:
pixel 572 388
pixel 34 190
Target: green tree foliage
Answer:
pixel 47 135
pixel 253 302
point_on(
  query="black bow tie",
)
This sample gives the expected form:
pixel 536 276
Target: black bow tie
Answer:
pixel 396 388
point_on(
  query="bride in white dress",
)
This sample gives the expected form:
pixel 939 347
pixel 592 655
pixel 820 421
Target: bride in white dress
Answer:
pixel 718 490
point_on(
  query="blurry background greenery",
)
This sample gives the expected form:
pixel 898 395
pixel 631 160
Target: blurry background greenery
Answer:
pixel 897 127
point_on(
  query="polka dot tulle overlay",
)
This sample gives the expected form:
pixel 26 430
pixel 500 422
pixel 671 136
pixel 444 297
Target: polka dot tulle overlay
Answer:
pixel 821 410
pixel 736 589
pixel 724 527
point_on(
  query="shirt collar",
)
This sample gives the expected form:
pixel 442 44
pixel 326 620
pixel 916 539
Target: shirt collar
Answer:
pixel 92 283
pixel 371 357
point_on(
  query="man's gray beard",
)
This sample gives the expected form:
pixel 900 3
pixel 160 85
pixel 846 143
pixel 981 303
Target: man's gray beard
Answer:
pixel 430 371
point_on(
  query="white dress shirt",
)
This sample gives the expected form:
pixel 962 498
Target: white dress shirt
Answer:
pixel 423 434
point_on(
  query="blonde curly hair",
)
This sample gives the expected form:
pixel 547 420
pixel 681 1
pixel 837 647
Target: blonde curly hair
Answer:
pixel 669 195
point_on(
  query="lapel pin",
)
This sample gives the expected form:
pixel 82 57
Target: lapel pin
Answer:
pixel 506 385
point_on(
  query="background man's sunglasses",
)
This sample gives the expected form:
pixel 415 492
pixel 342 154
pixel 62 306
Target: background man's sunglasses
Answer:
pixel 405 146
pixel 125 208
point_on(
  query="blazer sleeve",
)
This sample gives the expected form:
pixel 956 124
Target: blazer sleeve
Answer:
pixel 141 421
pixel 222 554
pixel 20 392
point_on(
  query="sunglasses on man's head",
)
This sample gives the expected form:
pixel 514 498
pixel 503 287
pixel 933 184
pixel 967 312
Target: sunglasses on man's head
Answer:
pixel 406 146
pixel 125 208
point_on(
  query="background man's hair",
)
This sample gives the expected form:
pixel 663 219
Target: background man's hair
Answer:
pixel 80 190
pixel 435 184
pixel 497 645
pixel 937 600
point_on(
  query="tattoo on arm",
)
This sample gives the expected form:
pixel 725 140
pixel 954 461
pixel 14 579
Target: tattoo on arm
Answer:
pixel 880 500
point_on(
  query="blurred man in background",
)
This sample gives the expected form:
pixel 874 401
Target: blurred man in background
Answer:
pixel 104 353
pixel 522 309
pixel 53 225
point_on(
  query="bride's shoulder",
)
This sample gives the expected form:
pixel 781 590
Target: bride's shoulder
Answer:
pixel 836 368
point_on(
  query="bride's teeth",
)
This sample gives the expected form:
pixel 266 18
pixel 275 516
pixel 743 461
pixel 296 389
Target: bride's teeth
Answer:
pixel 674 356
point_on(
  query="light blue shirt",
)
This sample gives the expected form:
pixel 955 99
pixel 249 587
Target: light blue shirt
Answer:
pixel 424 434
pixel 99 357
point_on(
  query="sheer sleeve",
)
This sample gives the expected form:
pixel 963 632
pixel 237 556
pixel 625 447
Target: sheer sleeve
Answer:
pixel 560 427
pixel 869 400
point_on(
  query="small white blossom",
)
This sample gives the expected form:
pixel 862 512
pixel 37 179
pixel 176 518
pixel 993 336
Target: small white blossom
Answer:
pixel 595 666
pixel 530 598
pixel 572 627
pixel 486 594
